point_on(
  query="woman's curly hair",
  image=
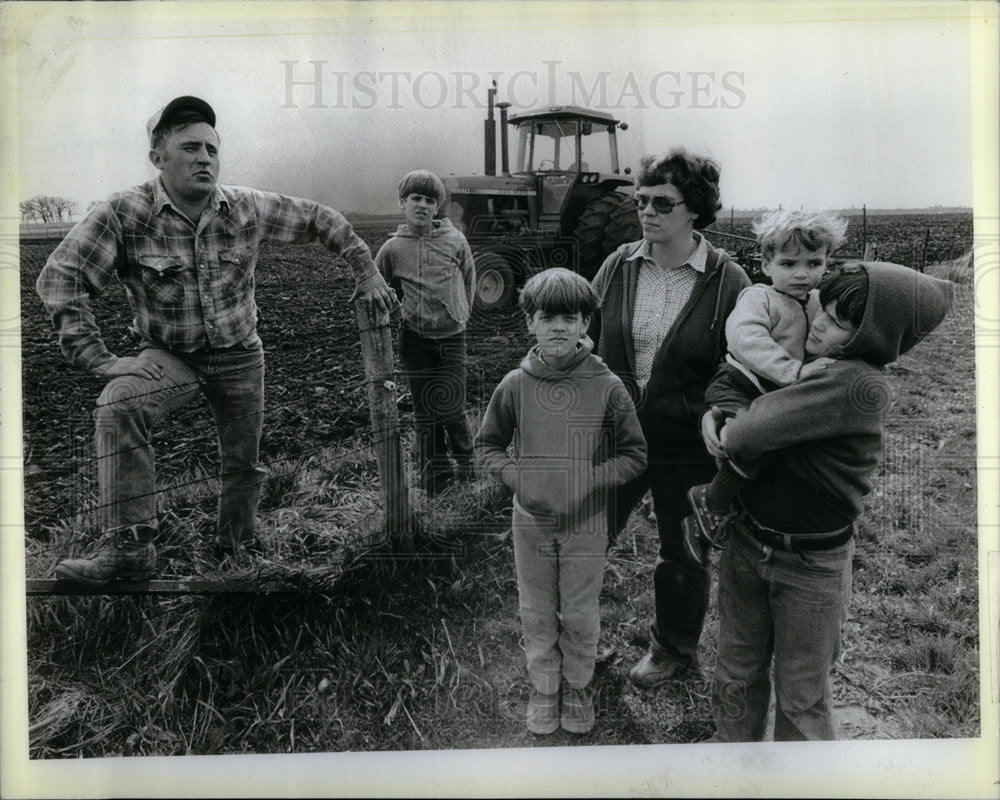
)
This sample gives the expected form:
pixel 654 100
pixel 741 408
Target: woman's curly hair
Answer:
pixel 697 178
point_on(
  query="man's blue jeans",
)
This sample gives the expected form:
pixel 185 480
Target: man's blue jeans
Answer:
pixel 232 381
pixel 791 606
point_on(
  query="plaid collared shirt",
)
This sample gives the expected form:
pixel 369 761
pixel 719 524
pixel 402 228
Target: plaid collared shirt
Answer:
pixel 191 287
pixel 659 297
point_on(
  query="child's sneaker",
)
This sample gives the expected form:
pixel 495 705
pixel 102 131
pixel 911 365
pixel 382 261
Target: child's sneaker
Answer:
pixel 695 545
pixel 710 523
pixel 543 712
pixel 577 709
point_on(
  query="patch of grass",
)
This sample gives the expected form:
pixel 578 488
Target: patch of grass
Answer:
pixel 959 270
pixel 390 651
pixel 911 645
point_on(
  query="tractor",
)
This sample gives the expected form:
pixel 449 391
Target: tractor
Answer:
pixel 566 202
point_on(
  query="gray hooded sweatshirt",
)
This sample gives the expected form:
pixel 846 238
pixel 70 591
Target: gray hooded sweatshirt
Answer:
pixel 436 274
pixel 575 436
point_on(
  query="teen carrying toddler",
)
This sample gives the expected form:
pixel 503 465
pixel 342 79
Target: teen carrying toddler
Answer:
pixel 430 261
pixel 766 336
pixel 576 437
pixel 785 579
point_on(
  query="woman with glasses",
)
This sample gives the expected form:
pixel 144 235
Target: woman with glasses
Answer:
pixel 660 327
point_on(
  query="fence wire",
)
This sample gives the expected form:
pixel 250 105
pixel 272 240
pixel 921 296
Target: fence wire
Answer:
pixel 286 465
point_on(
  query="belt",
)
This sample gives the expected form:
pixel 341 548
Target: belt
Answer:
pixel 794 542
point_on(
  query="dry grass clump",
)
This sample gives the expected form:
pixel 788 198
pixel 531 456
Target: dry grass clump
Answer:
pixel 238 673
pixel 960 270
pixel 912 640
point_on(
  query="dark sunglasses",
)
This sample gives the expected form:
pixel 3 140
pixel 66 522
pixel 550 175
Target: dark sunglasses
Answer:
pixel 661 204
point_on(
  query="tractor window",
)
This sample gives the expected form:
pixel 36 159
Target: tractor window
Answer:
pixel 550 146
pixel 554 145
pixel 595 154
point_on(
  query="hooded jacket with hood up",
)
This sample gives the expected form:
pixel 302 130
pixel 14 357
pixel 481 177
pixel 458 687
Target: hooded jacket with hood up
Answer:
pixel 436 274
pixel 822 436
pixel 575 436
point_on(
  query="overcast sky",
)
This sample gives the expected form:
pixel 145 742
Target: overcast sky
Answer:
pixel 803 108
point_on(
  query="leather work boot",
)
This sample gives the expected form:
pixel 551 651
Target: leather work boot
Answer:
pixel 655 668
pixel 131 556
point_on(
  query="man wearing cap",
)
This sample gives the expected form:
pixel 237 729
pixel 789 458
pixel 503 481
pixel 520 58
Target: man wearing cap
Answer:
pixel 185 249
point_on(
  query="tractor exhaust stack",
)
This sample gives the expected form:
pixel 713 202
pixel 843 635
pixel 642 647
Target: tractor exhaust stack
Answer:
pixel 490 134
pixel 504 156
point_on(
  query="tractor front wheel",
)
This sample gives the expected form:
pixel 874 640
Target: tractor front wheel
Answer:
pixel 494 282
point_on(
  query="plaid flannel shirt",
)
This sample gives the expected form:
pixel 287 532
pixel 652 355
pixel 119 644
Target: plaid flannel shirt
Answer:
pixel 659 297
pixel 191 287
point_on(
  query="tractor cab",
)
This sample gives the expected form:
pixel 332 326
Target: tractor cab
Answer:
pixel 564 147
pixel 564 203
pixel 559 139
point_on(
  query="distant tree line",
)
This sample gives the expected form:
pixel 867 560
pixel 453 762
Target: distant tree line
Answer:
pixel 42 208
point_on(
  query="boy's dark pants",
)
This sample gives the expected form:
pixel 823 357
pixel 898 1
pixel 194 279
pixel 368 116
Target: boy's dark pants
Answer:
pixel 436 370
pixel 680 586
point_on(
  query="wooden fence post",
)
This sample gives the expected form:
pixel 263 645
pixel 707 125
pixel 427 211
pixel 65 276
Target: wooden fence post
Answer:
pixel 376 351
pixel 864 230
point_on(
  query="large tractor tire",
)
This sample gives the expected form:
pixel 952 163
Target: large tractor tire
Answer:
pixel 494 281
pixel 606 223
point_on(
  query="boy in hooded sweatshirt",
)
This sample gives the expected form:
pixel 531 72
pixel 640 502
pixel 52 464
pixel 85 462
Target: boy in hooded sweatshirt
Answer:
pixel 576 437
pixel 785 580
pixel 431 263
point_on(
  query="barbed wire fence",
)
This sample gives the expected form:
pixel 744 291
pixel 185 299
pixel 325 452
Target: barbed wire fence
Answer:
pixel 195 465
pixel 193 469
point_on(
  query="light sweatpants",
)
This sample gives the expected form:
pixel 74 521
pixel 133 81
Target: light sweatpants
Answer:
pixel 559 577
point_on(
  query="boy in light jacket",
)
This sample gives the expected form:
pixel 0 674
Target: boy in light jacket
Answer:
pixel 430 261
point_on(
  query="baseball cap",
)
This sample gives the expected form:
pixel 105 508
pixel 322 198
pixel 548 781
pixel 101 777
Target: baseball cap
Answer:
pixel 167 114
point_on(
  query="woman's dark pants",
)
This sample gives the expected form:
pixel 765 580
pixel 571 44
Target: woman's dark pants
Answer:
pixel 680 587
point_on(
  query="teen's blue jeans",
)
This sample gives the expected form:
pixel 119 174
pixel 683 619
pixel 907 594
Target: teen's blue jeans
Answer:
pixel 786 605
pixel 436 371
pixel 232 380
